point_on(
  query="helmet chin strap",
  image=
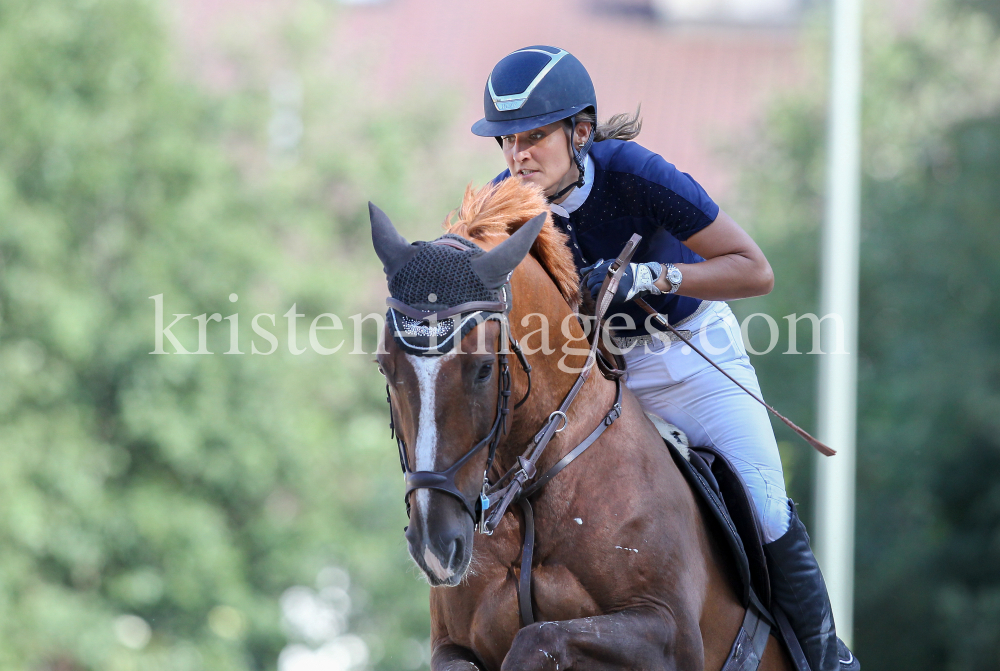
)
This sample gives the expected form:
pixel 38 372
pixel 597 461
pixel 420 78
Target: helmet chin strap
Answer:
pixel 579 155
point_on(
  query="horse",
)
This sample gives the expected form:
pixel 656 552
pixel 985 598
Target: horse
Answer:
pixel 625 572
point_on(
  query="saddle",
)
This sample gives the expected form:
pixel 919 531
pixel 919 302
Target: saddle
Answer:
pixel 724 498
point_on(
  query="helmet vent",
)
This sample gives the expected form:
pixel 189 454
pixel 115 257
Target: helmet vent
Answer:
pixel 533 87
pixel 516 81
pixel 514 74
pixel 505 105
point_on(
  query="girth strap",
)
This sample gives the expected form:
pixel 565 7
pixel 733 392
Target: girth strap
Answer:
pixel 748 648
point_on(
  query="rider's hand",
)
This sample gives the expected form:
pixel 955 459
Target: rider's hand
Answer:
pixel 637 280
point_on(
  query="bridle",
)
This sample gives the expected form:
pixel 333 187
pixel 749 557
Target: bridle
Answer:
pixel 488 509
pixel 444 481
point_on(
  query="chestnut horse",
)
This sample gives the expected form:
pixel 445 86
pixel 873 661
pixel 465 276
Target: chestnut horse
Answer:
pixel 625 572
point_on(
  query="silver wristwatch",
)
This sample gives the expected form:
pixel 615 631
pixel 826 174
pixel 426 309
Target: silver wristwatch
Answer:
pixel 673 276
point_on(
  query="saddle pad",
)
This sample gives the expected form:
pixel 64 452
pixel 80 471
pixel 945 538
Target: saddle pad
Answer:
pixel 720 491
pixel 702 478
pixel 705 490
pixel 743 512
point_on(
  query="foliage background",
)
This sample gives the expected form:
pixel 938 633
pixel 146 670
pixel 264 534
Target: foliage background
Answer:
pixel 927 592
pixel 215 512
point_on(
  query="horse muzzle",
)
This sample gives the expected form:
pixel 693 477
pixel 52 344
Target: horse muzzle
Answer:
pixel 440 538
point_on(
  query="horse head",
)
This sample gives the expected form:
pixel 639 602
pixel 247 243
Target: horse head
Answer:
pixel 446 369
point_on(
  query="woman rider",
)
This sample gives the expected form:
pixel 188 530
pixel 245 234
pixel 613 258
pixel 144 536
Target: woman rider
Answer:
pixel 541 107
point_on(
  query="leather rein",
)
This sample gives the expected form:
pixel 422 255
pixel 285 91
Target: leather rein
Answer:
pixel 491 504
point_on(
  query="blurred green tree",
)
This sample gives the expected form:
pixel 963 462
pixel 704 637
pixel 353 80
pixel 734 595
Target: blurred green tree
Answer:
pixel 928 516
pixel 155 507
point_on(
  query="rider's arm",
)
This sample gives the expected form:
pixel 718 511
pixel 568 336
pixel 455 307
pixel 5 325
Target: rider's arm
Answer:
pixel 734 266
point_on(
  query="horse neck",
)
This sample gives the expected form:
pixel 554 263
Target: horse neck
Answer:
pixel 536 297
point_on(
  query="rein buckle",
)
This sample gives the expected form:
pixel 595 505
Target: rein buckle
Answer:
pixel 527 468
pixel 613 414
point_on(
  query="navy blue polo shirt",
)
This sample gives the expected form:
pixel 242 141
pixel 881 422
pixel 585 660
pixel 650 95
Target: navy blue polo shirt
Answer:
pixel 636 191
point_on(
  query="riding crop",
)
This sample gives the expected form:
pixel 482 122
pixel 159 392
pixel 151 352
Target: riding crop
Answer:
pixel 819 446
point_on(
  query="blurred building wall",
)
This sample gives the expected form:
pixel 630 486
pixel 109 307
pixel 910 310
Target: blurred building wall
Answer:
pixel 699 85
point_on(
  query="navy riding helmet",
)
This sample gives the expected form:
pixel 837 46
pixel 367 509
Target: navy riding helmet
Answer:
pixel 533 87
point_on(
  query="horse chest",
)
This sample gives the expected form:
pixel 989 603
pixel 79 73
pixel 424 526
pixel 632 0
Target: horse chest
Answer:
pixel 483 614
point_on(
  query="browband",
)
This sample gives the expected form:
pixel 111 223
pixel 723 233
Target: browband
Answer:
pixel 440 315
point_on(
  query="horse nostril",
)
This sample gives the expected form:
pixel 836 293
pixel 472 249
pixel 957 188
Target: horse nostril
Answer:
pixel 457 546
pixel 412 535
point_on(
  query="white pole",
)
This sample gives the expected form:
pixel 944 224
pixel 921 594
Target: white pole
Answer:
pixel 834 535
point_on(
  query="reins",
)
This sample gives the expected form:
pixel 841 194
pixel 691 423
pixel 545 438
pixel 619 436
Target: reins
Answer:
pixel 525 468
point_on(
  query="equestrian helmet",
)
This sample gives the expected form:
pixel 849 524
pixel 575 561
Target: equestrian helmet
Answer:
pixel 533 87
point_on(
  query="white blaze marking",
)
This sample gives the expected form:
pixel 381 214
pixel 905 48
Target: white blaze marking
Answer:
pixel 435 565
pixel 578 520
pixel 426 369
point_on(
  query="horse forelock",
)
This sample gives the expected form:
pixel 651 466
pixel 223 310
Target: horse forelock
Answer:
pixel 495 211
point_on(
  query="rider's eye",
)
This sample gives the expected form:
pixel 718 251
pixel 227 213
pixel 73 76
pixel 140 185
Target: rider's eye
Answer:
pixel 485 372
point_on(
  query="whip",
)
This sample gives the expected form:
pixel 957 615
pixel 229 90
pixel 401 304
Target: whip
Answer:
pixel 819 446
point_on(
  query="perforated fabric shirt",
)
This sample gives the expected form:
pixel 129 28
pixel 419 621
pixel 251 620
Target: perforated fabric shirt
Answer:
pixel 634 190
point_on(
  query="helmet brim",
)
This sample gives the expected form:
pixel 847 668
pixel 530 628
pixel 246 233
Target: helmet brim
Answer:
pixel 486 128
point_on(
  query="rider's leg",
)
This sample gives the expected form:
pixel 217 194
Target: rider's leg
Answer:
pixel 675 383
pixel 797 586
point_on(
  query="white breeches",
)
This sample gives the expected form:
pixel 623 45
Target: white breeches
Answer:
pixel 675 383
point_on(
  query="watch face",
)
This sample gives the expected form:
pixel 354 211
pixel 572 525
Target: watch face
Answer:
pixel 674 276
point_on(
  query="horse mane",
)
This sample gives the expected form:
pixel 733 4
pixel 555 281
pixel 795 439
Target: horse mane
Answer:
pixel 498 210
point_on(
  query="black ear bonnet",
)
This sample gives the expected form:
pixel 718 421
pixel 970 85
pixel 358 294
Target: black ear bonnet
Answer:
pixel 438 277
pixel 441 276
pixel 441 290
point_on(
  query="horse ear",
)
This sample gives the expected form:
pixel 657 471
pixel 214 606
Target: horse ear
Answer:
pixel 392 248
pixel 494 266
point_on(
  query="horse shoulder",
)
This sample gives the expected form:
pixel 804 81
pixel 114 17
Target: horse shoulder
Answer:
pixel 559 594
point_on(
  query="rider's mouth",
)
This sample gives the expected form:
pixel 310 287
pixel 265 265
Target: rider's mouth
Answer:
pixel 526 173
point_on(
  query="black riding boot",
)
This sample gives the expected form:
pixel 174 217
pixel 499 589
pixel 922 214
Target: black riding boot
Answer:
pixel 797 587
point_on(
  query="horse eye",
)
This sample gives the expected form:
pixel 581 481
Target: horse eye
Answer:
pixel 485 372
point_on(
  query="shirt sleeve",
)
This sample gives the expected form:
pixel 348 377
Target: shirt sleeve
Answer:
pixel 676 201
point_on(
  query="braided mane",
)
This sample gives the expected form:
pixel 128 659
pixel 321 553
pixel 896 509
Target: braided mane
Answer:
pixel 497 210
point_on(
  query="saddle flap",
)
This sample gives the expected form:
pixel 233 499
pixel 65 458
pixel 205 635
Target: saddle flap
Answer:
pixel 706 492
pixel 740 506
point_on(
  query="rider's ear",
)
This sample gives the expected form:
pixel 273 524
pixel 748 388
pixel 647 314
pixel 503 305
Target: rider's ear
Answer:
pixel 494 266
pixel 392 248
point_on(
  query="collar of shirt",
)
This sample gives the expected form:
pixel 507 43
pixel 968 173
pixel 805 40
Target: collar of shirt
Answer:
pixel 577 197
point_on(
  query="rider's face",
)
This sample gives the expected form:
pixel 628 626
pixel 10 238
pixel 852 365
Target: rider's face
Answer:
pixel 541 156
